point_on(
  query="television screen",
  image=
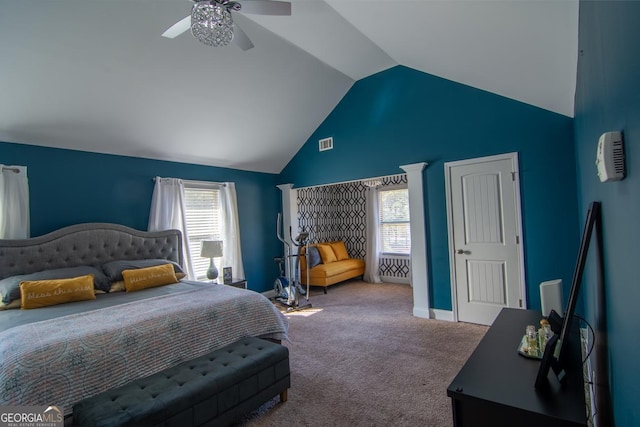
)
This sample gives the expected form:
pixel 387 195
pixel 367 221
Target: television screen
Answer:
pixel 556 354
pixel 593 217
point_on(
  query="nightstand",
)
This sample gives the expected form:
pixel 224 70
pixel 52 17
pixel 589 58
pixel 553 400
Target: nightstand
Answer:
pixel 236 283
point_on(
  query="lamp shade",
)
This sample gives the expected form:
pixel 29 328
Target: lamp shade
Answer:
pixel 211 249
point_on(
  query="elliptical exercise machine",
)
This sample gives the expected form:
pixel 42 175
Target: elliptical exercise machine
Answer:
pixel 288 288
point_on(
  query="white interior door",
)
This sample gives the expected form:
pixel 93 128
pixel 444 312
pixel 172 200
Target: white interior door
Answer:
pixel 483 201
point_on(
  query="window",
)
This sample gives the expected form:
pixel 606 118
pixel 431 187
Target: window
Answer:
pixel 394 227
pixel 204 222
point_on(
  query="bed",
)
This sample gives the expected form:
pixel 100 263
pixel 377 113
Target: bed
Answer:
pixel 61 354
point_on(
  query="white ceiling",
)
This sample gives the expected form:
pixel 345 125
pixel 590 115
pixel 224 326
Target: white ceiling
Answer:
pixel 96 75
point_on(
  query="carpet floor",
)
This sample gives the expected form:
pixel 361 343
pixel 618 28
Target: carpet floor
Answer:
pixel 359 358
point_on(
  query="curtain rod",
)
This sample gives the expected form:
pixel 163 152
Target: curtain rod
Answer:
pixel 350 181
pixel 194 182
pixel 15 170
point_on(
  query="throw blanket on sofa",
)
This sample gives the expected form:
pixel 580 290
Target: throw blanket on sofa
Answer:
pixel 63 360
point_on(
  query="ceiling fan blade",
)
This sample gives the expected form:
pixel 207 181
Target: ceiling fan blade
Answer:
pixel 178 28
pixel 266 7
pixel 240 38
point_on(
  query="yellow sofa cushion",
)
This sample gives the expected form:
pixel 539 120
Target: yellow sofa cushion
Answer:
pixel 326 253
pixel 340 250
pixel 335 268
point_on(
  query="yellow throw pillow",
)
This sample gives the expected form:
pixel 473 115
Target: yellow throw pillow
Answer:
pixel 42 293
pixel 340 250
pixel 119 285
pixel 326 253
pixel 149 277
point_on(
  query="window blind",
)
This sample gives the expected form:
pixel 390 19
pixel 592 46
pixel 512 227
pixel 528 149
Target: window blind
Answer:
pixel 394 226
pixel 204 222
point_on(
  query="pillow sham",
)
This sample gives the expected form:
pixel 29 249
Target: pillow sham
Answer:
pixel 10 286
pixel 340 250
pixel 117 286
pixel 12 305
pixel 314 257
pixel 113 269
pixel 149 277
pixel 43 293
pixel 326 253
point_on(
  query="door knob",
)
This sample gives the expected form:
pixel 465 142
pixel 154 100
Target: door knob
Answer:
pixel 460 251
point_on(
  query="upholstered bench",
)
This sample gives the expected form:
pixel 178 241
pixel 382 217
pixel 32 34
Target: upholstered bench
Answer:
pixel 215 389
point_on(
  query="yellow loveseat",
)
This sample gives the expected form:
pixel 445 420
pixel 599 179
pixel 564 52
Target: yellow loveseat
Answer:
pixel 333 265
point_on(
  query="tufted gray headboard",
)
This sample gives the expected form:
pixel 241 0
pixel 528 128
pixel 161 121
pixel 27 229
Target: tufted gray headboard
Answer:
pixel 87 244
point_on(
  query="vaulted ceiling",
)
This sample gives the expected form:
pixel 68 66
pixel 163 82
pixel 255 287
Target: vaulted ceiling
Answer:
pixel 96 75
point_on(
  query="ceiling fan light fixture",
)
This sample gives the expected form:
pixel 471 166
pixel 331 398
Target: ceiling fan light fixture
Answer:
pixel 211 23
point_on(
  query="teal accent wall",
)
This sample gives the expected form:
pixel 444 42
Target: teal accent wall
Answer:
pixel 608 99
pixel 69 187
pixel 402 116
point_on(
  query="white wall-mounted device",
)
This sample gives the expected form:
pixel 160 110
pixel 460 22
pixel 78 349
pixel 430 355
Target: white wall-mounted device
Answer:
pixel 610 157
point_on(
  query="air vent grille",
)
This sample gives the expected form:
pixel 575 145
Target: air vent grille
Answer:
pixel 325 144
pixel 618 157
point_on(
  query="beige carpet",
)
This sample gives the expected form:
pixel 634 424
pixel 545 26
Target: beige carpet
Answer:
pixel 359 358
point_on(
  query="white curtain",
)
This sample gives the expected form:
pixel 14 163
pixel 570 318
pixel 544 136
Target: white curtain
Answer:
pixel 372 262
pixel 14 202
pixel 232 251
pixel 168 213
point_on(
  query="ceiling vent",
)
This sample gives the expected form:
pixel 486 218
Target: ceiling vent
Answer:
pixel 325 144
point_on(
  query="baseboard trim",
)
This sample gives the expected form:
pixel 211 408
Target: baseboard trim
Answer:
pixel 389 279
pixel 439 314
pixel 433 313
pixel 269 294
pixel 421 312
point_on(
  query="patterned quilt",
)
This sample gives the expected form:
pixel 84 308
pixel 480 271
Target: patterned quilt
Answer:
pixel 64 360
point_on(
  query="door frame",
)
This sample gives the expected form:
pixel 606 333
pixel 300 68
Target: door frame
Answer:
pixel 513 157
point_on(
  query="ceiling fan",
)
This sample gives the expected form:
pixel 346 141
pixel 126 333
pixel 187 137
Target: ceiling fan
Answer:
pixel 212 24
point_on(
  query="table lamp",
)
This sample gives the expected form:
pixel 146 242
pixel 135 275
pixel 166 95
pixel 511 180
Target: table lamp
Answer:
pixel 211 249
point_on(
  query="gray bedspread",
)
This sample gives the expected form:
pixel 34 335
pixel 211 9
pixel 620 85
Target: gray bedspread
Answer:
pixel 59 355
pixel 12 318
